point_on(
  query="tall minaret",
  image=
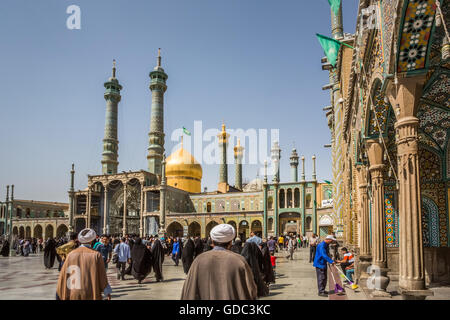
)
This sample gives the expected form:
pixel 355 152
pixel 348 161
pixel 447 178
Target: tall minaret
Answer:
pixel 110 142
pixel 223 169
pixel 337 28
pixel 294 165
pixel 156 135
pixel 238 153
pixel 276 155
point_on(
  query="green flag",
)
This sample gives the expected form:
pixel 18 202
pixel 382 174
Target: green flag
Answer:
pixel 335 5
pixel 326 181
pixel 186 131
pixel 330 47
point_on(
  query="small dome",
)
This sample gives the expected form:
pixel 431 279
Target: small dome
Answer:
pixel 254 185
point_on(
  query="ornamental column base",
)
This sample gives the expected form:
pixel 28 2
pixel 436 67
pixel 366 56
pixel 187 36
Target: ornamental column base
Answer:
pixel 415 294
pixel 364 262
pixel 378 283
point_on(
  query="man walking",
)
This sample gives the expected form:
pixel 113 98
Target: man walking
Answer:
pixel 312 247
pixel 254 238
pixel 105 250
pixel 176 252
pixel 320 263
pixel 220 274
pixel 83 275
pixel 123 254
pixel 290 248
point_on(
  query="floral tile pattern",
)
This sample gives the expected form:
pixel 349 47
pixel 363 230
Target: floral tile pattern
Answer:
pixel 417 25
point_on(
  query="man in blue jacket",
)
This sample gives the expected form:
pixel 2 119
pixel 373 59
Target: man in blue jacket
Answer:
pixel 320 263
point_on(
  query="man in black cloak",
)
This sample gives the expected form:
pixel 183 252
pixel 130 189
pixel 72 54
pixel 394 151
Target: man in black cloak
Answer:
pixel 49 253
pixel 269 276
pixel 158 259
pixel 198 246
pixel 142 260
pixel 237 246
pixel 187 255
pixel 5 248
pixel 253 255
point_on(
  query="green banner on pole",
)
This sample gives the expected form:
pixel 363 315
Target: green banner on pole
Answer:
pixel 186 131
pixel 330 47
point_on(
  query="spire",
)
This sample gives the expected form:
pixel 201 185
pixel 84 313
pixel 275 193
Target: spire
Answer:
pixel 114 69
pixel 158 63
pixel 314 167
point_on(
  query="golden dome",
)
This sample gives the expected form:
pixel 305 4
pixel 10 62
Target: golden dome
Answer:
pixel 183 171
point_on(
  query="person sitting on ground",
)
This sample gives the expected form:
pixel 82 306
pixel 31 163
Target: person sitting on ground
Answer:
pixel 347 260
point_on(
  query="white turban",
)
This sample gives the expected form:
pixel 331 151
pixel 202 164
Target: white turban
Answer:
pixel 222 233
pixel 86 235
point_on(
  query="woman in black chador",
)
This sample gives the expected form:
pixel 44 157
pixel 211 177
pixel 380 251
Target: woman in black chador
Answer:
pixel 49 253
pixel 237 246
pixel 198 246
pixel 5 248
pixel 269 276
pixel 253 255
pixel 158 259
pixel 142 260
pixel 187 256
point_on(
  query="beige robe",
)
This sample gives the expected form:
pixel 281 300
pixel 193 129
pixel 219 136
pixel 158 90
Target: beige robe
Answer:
pixel 219 275
pixel 83 276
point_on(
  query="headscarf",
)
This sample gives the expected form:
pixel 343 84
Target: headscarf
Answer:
pixel 253 255
pixel 187 256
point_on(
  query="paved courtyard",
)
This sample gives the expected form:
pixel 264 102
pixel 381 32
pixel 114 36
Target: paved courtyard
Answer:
pixel 26 278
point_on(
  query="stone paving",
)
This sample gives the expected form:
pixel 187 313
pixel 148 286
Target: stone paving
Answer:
pixel 25 278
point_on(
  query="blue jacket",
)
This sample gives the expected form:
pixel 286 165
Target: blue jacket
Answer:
pixel 321 258
pixel 176 248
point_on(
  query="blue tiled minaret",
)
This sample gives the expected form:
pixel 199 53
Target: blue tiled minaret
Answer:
pixel 156 135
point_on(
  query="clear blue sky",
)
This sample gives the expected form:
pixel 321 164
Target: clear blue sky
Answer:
pixel 252 63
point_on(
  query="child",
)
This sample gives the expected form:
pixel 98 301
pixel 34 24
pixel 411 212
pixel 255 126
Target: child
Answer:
pixel 273 260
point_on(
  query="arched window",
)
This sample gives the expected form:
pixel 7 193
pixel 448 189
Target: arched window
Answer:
pixel 270 203
pixel 289 198
pixel 296 198
pixel 308 201
pixel 282 198
pixel 208 207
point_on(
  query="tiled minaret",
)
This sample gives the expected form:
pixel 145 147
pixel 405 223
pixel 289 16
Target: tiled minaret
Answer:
pixel 223 170
pixel 294 165
pixel 238 153
pixel 156 135
pixel 110 142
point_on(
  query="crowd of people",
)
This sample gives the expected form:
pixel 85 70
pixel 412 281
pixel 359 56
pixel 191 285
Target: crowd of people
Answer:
pixel 237 268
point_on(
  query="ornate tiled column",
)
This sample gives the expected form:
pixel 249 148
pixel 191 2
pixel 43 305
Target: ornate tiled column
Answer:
pixel 88 209
pixel 379 279
pixel 162 200
pixel 411 264
pixel 105 211
pixel 124 227
pixel 365 257
pixel 141 213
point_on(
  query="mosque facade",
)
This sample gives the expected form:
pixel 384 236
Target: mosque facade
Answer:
pixel 167 198
pixel 390 120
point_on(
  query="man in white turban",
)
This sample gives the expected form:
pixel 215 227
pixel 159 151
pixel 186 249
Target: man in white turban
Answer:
pixel 83 275
pixel 220 274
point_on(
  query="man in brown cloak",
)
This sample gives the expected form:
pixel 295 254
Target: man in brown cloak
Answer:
pixel 220 274
pixel 83 275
